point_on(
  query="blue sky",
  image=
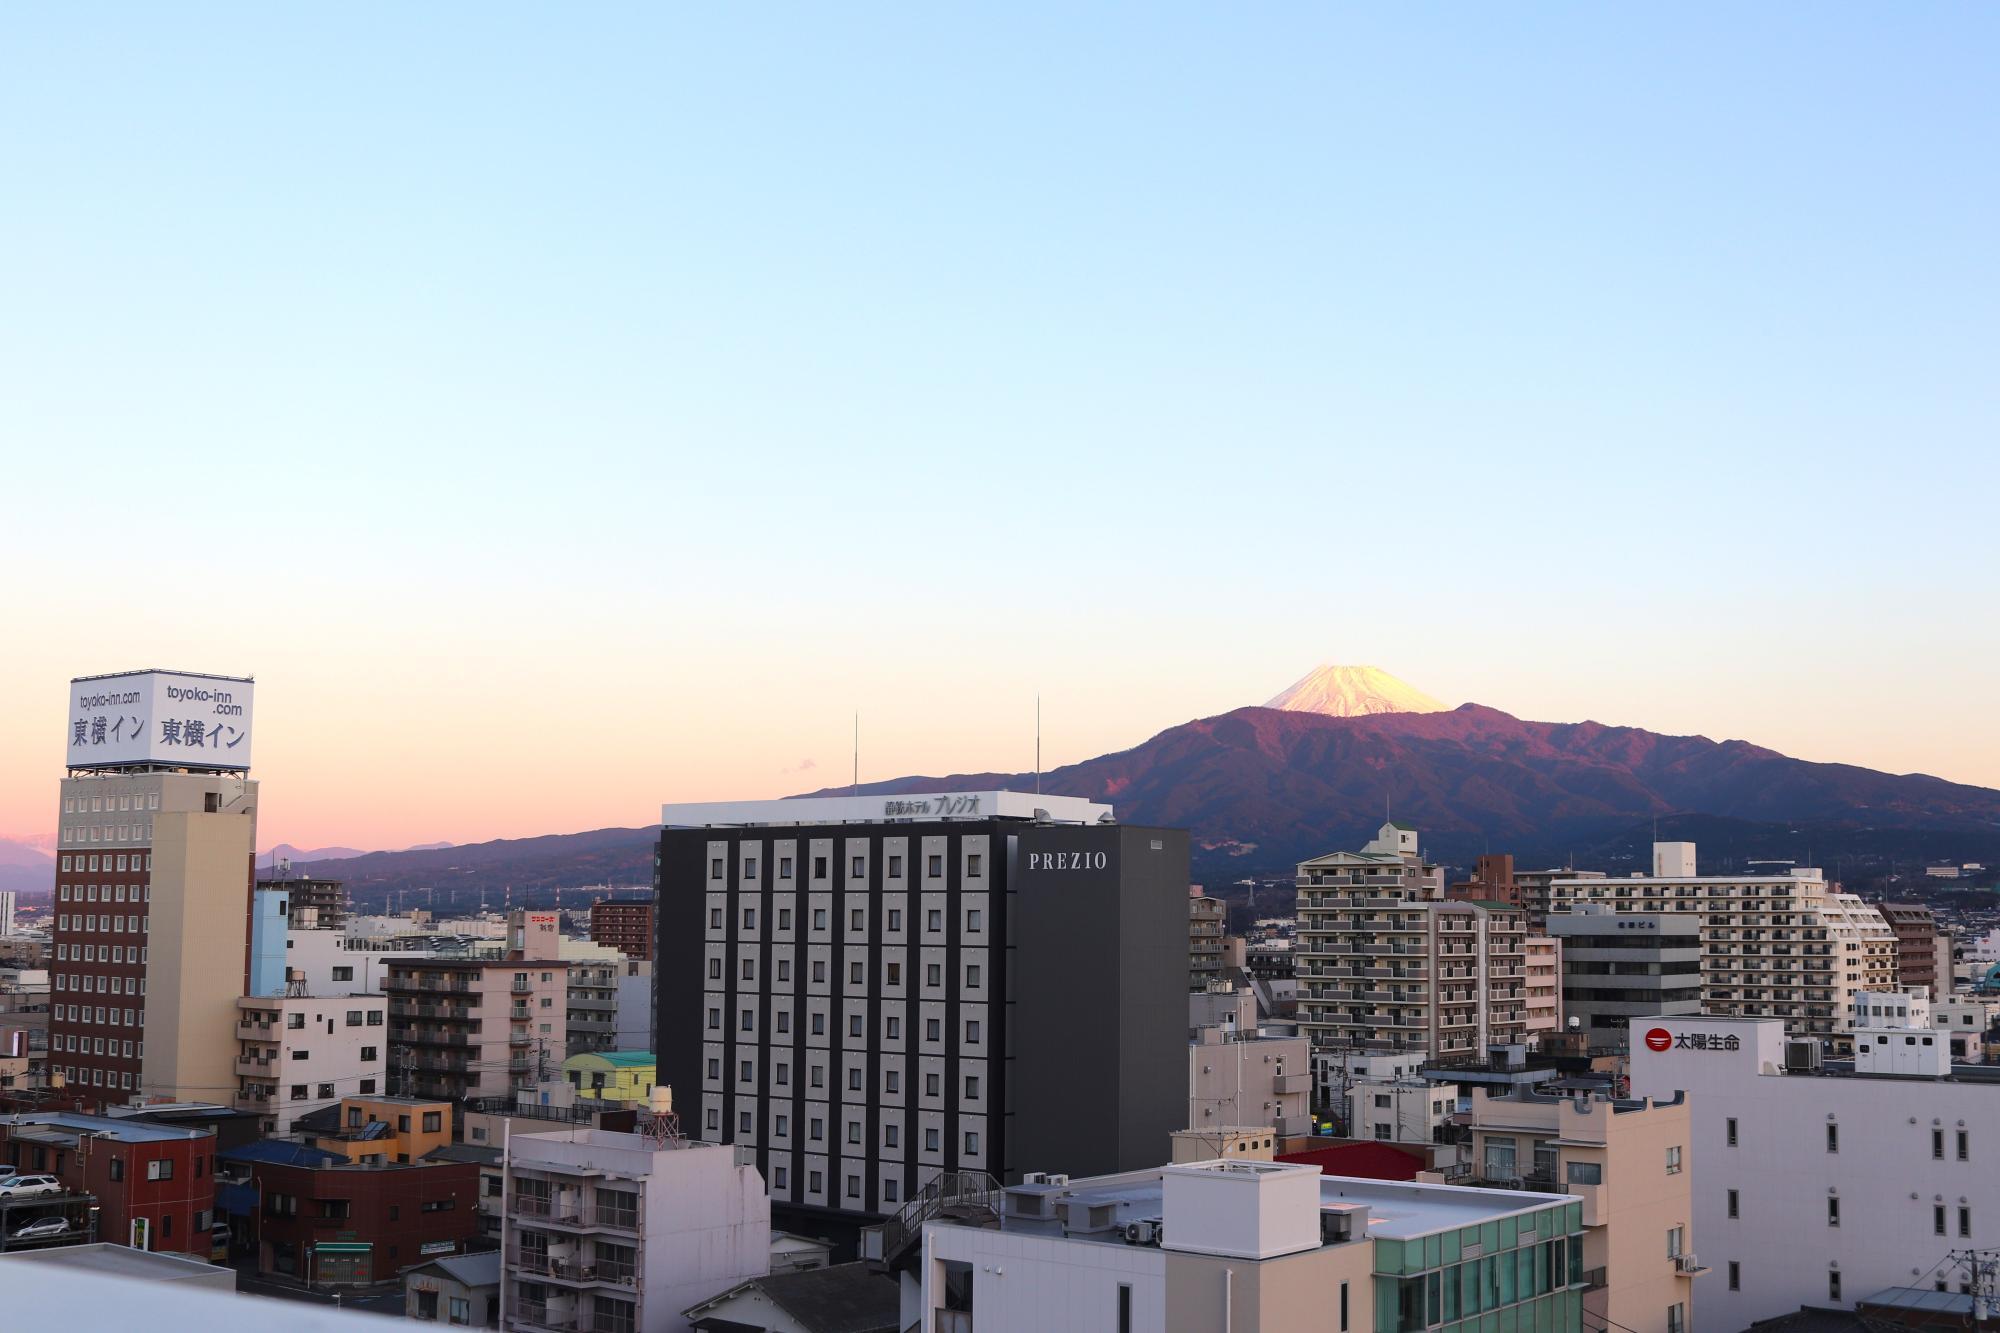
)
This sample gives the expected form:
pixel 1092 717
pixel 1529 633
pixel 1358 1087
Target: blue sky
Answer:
pixel 633 393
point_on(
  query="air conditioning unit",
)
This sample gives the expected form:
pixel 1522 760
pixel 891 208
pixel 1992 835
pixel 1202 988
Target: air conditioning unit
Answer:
pixel 1145 1232
pixel 1686 1263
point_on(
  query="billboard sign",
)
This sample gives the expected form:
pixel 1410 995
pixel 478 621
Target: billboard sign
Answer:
pixel 173 718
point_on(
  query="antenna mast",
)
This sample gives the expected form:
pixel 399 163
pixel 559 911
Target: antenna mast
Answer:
pixel 1038 743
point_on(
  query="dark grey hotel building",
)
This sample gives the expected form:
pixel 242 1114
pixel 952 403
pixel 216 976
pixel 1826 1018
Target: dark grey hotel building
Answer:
pixel 872 990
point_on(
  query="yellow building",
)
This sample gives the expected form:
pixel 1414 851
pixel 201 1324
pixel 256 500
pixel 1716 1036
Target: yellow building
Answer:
pixel 612 1076
pixel 379 1130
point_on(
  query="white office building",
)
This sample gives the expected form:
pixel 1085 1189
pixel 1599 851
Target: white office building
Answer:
pixel 1820 1183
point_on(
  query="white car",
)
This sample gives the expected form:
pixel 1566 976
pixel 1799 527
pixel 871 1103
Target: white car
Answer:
pixel 25 1187
pixel 43 1228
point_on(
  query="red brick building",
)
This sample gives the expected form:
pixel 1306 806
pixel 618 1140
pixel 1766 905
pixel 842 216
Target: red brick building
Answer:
pixel 625 926
pixel 328 1223
pixel 159 1176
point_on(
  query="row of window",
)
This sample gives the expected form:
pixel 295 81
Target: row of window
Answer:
pixel 1963 1144
pixel 88 893
pixel 109 833
pixel 892 1079
pixel 71 1044
pixel 96 953
pixel 892 1025
pixel 121 924
pixel 970 974
pixel 857 868
pixel 892 1137
pixel 857 920
pixel 98 805
pixel 99 1078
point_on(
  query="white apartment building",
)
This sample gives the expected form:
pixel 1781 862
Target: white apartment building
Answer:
pixel 1784 946
pixel 1244 1076
pixel 620 1233
pixel 1383 963
pixel 1825 1183
pixel 610 999
pixel 1400 1110
pixel 1207 1247
pixel 301 1053
pixel 1966 1019
pixel 1335 1070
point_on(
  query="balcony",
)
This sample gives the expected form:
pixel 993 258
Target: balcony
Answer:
pixel 258 1032
pixel 530 1315
pixel 429 985
pixel 522 987
pixel 256 1068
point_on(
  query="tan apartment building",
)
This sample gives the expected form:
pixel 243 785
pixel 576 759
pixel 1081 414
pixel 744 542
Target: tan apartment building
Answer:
pixel 1244 1076
pixel 1384 964
pixel 480 1025
pixel 1205 928
pixel 1786 946
pixel 1628 1160
pixel 1542 987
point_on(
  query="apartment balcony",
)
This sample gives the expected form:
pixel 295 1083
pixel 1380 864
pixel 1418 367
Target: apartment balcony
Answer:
pixel 257 1068
pixel 1289 1083
pixel 520 1039
pixel 530 1317
pixel 428 986
pixel 521 987
pixel 268 1032
pixel 577 1273
pixel 456 1040
pixel 461 1010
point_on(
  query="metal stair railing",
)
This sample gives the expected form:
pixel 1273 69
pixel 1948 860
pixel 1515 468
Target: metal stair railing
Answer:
pixel 885 1246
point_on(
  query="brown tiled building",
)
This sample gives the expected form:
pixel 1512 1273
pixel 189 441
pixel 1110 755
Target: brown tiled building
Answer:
pixel 330 1223
pixel 158 1176
pixel 1917 949
pixel 625 926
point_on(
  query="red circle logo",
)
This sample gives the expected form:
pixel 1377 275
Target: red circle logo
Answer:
pixel 1659 1039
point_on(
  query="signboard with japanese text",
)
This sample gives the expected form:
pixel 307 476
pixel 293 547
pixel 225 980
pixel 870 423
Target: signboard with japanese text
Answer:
pixel 171 718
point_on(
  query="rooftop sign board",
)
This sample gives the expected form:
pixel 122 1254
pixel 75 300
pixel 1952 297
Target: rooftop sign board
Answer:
pixel 174 719
pixel 878 808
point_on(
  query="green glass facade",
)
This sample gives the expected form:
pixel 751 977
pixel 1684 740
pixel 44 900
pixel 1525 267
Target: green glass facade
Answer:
pixel 1517 1274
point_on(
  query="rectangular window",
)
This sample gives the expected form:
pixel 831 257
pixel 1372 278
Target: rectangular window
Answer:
pixel 1833 1212
pixel 715 868
pixel 1733 1204
pixel 895 919
pixel 1964 1147
pixel 1937 1145
pixel 854 973
pixel 895 867
pixel 934 867
pixel 1125 1306
pixel 1833 1286
pixel 784 867
pixel 1964 1221
pixel 1731 1127
pixel 858 867
pixel 1937 1219
pixel 819 867
pixel 855 920
pixel 749 867
pixel 1833 1138
pixel 972 865
pixel 1735 1276
pixel 934 921
pixel 1674 1160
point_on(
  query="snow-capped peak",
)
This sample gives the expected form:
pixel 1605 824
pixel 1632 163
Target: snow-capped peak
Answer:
pixel 1353 691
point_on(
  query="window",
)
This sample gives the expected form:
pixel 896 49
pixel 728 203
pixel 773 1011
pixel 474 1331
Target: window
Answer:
pixel 854 1022
pixel 1124 1307
pixel 715 918
pixel 1735 1276
pixel 1500 1158
pixel 1937 1219
pixel 934 920
pixel 343 974
pixel 819 872
pixel 374 1018
pixel 890 1191
pixel 1964 1221
pixel 1833 1138
pixel 745 1071
pixel 1674 1237
pixel 933 1029
pixel 782 1126
pixel 1343 1307
pixel 784 964
pixel 854 1079
pixel 298 1092
pixel 784 867
pixel 816 1129
pixel 743 1122
pixel 1583 1173
pixel 1833 1285
pixel 895 919
pixel 1833 1212
pixel 934 974
pixel 972 1141
pixel 854 975
pixel 813 1182
pixel 1674 1160
pixel 854 1131
pixel 892 1080
pixel 855 919
pixel 895 867
pixel 714 1019
pixel 714 1068
pixel 892 1136
pixel 895 974
pixel 934 867
pixel 972 1030
pixel 972 1087
pixel 160 1168
pixel 749 918
pixel 858 867
pixel 749 867
pixel 714 1118
pixel 1964 1147
pixel 782 1075
pixel 748 970
pixel 1731 1126
pixel 1734 1204
pixel 972 976
pixel 819 1025
pixel 1676 1319
pixel 972 865
pixel 931 1141
pixel 433 1122
pixel 819 918
pixel 715 868
pixel 748 1020
pixel 1937 1145
pixel 972 916
pixel 295 1022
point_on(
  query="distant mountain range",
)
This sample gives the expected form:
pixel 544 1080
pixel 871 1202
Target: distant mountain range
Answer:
pixel 284 851
pixel 26 866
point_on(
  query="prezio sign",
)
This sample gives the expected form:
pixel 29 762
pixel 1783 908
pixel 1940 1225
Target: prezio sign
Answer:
pixel 159 717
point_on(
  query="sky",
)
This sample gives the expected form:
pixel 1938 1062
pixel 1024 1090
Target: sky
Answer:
pixel 565 411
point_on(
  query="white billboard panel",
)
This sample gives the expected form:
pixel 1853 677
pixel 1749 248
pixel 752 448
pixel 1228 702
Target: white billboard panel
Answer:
pixel 173 718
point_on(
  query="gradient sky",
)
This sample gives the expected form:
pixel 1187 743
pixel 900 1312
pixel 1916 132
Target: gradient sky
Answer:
pixel 562 411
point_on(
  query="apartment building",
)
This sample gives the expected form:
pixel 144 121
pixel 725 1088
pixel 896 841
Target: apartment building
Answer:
pixel 480 1025
pixel 1541 987
pixel 871 991
pixel 610 999
pixel 1532 886
pixel 1404 1109
pixel 1206 1247
pixel 1923 952
pixel 377 1130
pixel 1492 881
pixel 328 1222
pixel 1245 1076
pixel 621 1232
pixel 1787 946
pixel 1630 1162
pixel 626 926
pixel 1385 964
pixel 152 1185
pixel 1819 1182
pixel 1618 965
pixel 1206 916
pixel 302 1053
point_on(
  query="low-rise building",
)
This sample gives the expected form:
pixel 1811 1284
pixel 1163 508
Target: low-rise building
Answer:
pixel 848 1297
pixel 1400 1110
pixel 581 1203
pixel 1205 1247
pixel 1628 1160
pixel 154 1184
pixel 1244 1077
pixel 612 1076
pixel 461 1290
pixel 374 1130
pixel 327 1222
pixel 300 1053
pixel 1818 1182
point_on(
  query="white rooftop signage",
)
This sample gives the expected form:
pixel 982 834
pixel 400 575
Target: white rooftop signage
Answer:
pixel 178 719
pixel 875 809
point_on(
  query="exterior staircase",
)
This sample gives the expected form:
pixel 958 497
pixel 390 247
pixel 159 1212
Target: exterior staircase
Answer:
pixel 959 1196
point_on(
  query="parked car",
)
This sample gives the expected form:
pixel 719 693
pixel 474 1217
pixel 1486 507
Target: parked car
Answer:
pixel 23 1187
pixel 42 1228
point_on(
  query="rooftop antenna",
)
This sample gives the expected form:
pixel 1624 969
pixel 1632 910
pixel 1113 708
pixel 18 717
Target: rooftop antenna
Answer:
pixel 1038 742
pixel 855 790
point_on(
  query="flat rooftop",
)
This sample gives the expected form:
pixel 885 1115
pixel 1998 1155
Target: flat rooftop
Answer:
pixel 107 1260
pixel 124 1129
pixel 904 807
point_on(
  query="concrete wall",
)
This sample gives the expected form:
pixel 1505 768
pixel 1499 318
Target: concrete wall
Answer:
pixel 1048 1283
pixel 197 953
